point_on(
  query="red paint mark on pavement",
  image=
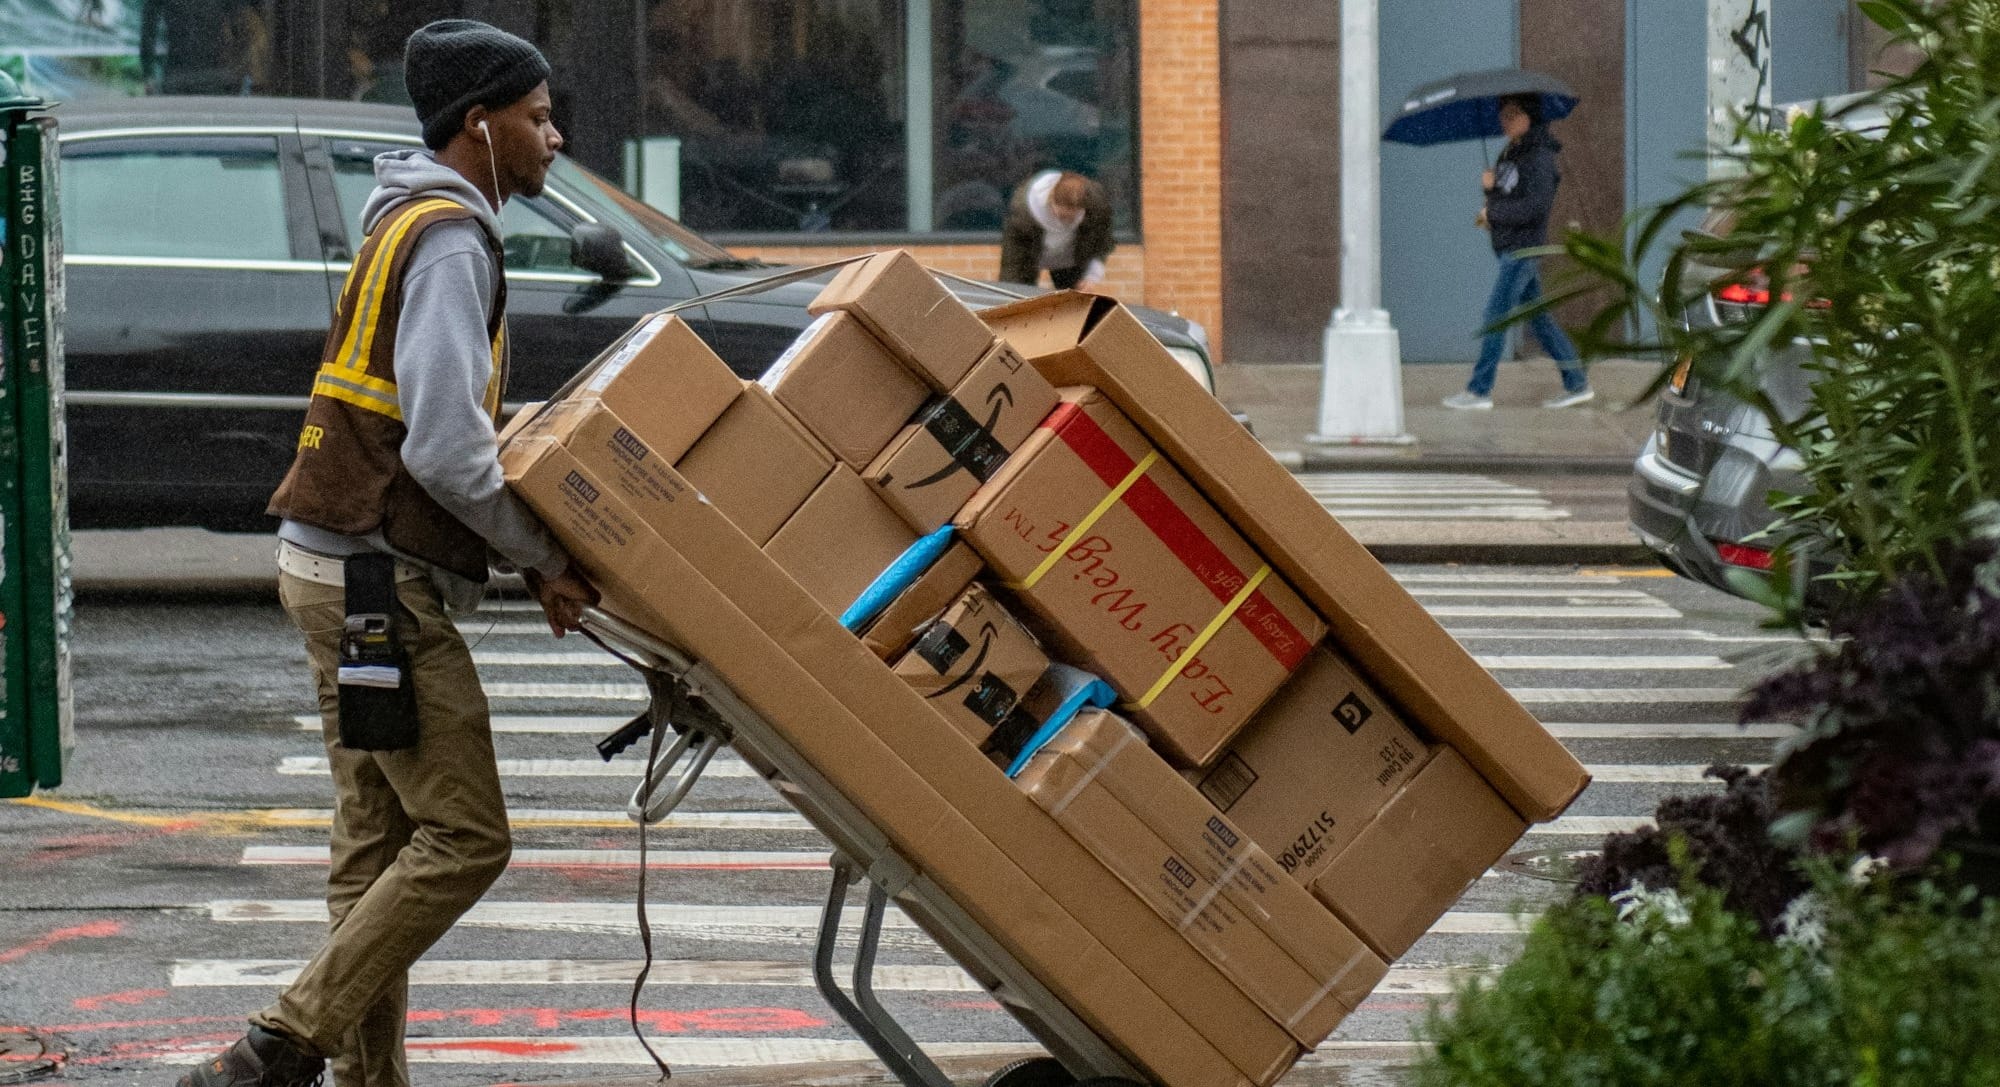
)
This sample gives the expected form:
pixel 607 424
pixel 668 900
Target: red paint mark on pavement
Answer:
pixel 128 996
pixel 714 1020
pixel 93 930
pixel 194 1047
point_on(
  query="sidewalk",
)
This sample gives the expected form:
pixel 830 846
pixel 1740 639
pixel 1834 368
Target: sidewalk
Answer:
pixel 1518 434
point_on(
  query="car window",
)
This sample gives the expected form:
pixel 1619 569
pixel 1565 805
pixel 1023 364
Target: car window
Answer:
pixel 534 235
pixel 218 198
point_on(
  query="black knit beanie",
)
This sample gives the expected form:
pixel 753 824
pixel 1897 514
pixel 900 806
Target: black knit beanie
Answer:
pixel 453 65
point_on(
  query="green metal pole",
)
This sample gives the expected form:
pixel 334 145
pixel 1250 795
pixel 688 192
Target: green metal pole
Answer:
pixel 17 770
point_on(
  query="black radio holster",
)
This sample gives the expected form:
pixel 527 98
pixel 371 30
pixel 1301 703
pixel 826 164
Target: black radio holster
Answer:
pixel 378 695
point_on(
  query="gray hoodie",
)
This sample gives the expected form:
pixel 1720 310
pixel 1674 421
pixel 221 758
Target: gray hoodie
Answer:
pixel 443 363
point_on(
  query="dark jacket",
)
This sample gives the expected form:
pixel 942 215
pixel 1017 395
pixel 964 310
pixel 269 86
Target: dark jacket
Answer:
pixel 1524 191
pixel 1021 239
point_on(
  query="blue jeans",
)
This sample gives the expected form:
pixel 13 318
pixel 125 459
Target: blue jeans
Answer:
pixel 1518 283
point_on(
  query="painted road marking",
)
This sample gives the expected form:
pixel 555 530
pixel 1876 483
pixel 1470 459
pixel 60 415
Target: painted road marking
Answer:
pixel 533 818
pixel 550 725
pixel 729 923
pixel 1628 695
pixel 721 766
pixel 1452 513
pixel 1446 577
pixel 719 860
pixel 1648 730
pixel 634 691
pixel 260 973
pixel 682 1052
pixel 1421 591
pixel 1638 774
pixel 1591 825
pixel 1603 663
pixel 1536 611
pixel 1629 634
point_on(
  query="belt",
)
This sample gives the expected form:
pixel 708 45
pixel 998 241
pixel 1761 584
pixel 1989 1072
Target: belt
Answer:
pixel 309 565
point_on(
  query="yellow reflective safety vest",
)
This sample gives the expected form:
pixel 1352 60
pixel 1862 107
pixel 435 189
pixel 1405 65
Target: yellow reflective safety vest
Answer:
pixel 348 475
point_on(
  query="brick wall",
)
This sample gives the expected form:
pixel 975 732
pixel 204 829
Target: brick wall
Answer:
pixel 1125 272
pixel 1179 267
pixel 1180 160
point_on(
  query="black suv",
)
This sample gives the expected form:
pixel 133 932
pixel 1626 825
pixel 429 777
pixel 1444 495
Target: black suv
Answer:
pixel 206 240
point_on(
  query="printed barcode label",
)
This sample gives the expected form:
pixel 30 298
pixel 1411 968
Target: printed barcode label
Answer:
pixel 614 366
pixel 1226 784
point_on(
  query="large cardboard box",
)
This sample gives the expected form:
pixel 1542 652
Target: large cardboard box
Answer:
pixel 757 463
pixel 1110 958
pixel 924 600
pixel 913 314
pixel 1314 765
pixel 976 664
pixel 840 541
pixel 1266 932
pixel 1078 339
pixel 959 441
pixel 846 388
pixel 618 457
pixel 664 382
pixel 1135 574
pixel 1413 861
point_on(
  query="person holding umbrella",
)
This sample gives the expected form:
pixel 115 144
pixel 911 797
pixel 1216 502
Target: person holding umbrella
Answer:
pixel 1520 192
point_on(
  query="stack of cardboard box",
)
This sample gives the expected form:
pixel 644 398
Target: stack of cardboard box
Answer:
pixel 1302 772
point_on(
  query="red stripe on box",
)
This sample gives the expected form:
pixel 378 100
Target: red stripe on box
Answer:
pixel 1174 528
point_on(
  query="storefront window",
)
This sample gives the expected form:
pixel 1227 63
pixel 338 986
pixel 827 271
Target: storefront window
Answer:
pixel 816 117
pixel 1025 86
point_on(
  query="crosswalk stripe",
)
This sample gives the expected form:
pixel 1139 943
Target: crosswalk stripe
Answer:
pixel 1581 826
pixel 1634 774
pixel 200 973
pixel 570 692
pixel 706 860
pixel 1473 577
pixel 260 973
pixel 722 766
pixel 1624 634
pixel 552 725
pixel 1460 499
pixel 1628 695
pixel 1603 663
pixel 1457 513
pixel 533 818
pixel 1646 730
pixel 724 923
pixel 1422 592
pixel 1543 611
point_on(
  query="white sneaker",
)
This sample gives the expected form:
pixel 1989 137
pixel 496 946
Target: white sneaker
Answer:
pixel 1568 400
pixel 1468 402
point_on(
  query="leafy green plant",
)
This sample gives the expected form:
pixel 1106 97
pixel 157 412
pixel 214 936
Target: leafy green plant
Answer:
pixel 1882 246
pixel 1667 988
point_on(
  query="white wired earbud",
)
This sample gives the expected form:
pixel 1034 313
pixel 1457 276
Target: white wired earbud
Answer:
pixel 492 164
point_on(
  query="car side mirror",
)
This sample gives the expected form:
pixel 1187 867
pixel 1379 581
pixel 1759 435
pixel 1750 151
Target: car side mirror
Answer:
pixel 598 249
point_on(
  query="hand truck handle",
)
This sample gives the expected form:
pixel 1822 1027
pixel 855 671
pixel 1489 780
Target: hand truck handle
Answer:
pixel 649 803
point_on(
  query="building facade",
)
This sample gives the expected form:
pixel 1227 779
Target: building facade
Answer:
pixel 802 130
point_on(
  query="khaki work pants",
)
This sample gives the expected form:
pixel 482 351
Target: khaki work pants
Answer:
pixel 418 837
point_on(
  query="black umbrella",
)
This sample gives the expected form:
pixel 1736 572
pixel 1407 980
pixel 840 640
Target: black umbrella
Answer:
pixel 1467 106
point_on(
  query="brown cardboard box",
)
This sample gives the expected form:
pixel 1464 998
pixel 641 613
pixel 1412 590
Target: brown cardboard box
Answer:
pixel 846 388
pixel 975 664
pixel 617 457
pixel 1128 567
pixel 1280 945
pixel 756 463
pixel 1314 766
pixel 1078 339
pixel 664 382
pixel 1413 861
pixel 926 598
pixel 1104 953
pixel 840 541
pixel 960 441
pixel 911 313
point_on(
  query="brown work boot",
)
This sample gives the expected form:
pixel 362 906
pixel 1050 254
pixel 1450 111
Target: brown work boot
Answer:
pixel 258 1059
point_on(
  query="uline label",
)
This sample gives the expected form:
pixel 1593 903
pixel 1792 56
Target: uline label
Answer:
pixel 630 444
pixel 581 487
pixel 1179 872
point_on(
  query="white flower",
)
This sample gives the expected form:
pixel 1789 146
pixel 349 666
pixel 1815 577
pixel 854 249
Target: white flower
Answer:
pixel 1804 922
pixel 1638 906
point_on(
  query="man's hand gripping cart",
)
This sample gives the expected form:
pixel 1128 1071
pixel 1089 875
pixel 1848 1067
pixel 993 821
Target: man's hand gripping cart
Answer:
pixel 704 714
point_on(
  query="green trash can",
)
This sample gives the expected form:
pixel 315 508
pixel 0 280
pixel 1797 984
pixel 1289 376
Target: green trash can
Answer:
pixel 36 715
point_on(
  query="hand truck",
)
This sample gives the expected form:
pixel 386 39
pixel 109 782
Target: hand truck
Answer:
pixel 705 714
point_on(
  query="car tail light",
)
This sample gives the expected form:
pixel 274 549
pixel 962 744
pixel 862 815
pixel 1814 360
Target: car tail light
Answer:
pixel 1751 558
pixel 1755 290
